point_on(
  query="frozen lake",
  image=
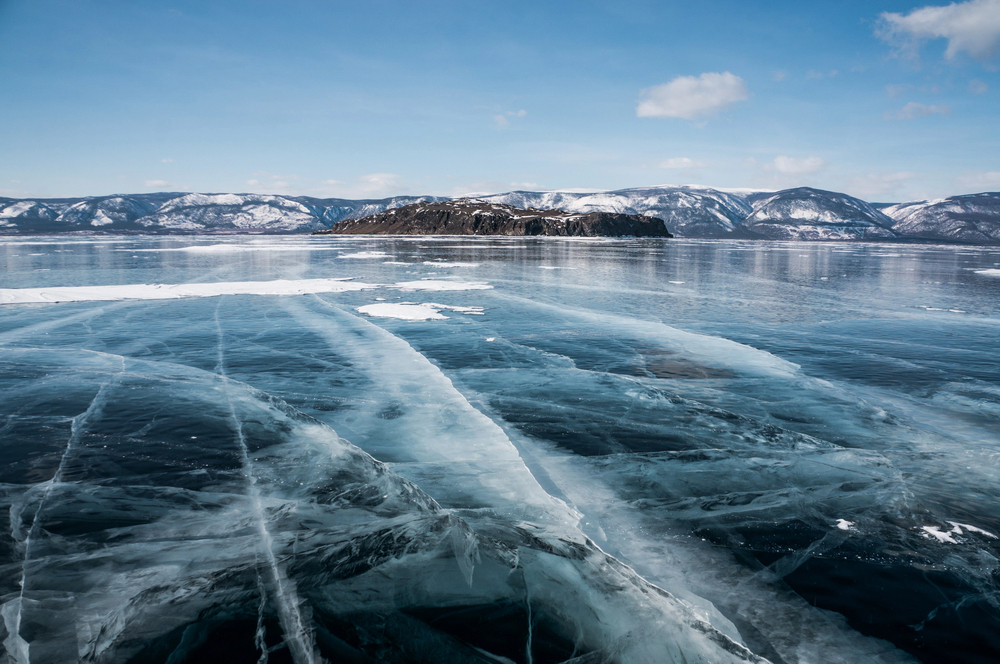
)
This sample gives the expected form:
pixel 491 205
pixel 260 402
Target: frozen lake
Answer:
pixel 496 449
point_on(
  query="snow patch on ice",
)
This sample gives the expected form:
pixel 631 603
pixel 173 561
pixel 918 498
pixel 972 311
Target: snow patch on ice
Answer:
pixel 844 524
pixel 989 273
pixel 933 532
pixel 440 285
pixel 452 264
pixel 176 291
pixel 415 311
pixel 957 530
pixel 366 254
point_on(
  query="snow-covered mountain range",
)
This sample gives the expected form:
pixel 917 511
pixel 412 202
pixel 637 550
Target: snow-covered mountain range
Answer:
pixel 688 211
pixel 973 218
pixel 813 214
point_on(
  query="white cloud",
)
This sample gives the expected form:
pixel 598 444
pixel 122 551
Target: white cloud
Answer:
pixel 168 160
pixel 779 75
pixel 979 181
pixel 880 184
pixel 270 183
pixel 269 187
pixel 504 119
pixel 681 162
pixel 372 185
pixel 797 166
pixel 972 27
pixel 156 183
pixel 917 110
pixel 894 91
pixel 689 97
pixel 977 87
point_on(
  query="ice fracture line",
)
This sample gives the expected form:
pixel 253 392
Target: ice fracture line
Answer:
pixel 17 647
pixel 297 635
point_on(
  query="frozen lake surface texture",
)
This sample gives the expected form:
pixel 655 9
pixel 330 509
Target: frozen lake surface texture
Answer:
pixel 495 450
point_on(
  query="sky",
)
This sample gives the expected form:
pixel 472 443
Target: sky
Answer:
pixel 885 100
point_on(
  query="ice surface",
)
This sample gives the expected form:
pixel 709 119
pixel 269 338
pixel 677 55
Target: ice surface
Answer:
pixel 240 248
pixel 600 467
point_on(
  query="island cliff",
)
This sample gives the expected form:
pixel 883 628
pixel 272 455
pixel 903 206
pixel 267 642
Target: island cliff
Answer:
pixel 477 217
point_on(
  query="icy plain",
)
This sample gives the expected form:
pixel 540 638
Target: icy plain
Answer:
pixel 430 450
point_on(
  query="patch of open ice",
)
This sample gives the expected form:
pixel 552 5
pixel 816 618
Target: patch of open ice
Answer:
pixel 414 311
pixel 555 267
pixel 176 291
pixel 440 285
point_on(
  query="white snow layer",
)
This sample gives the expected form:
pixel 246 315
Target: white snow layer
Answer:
pixel 440 285
pixel 176 291
pixel 412 311
pixel 452 264
pixel 366 254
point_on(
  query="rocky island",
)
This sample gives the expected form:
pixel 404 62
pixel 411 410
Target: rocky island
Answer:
pixel 478 217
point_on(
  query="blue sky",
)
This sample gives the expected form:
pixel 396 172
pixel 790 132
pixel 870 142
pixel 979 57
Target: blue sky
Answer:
pixel 885 100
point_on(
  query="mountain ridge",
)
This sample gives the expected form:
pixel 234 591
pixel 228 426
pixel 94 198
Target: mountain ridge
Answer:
pixel 692 211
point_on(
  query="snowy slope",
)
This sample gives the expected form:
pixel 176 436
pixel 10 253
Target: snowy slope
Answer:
pixel 971 218
pixel 248 212
pixel 688 211
pixel 109 212
pixel 18 214
pixel 805 213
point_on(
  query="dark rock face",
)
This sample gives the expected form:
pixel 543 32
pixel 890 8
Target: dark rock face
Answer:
pixel 478 217
pixel 972 218
pixel 805 213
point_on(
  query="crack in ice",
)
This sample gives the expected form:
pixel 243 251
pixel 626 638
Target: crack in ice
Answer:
pixel 18 648
pixel 290 617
